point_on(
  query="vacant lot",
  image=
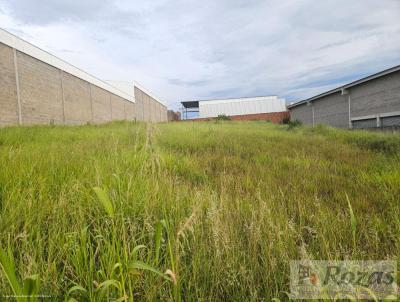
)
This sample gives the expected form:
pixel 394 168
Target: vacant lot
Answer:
pixel 182 211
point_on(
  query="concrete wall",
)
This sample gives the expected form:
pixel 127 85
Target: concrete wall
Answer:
pixel 139 104
pixel 8 90
pixel 101 101
pixel 302 113
pixel 129 111
pixel 34 92
pixel 40 91
pixel 375 99
pixel 148 109
pixel 77 100
pixel 332 110
pixel 117 108
pixel 378 96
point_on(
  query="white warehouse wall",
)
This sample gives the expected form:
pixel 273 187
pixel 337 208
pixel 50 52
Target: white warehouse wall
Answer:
pixel 243 106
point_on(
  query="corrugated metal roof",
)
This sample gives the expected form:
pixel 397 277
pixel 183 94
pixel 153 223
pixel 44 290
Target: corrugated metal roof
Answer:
pixel 190 104
pixel 355 83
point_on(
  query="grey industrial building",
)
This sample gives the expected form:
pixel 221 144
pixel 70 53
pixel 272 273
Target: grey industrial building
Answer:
pixel 370 102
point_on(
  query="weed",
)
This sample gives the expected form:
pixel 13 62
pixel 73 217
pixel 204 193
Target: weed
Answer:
pixel 353 221
pixel 27 292
pixel 200 212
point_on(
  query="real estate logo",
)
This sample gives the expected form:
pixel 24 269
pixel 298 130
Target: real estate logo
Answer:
pixel 318 279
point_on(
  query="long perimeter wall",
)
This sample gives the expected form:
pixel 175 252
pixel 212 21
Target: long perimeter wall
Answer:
pixel 34 92
pixel 148 109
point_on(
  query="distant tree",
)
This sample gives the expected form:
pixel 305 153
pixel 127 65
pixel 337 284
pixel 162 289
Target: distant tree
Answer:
pixel 223 117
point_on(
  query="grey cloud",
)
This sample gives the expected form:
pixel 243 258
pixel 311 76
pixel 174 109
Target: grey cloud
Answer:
pixel 329 77
pixel 202 49
pixel 48 11
pixel 180 82
pixel 223 93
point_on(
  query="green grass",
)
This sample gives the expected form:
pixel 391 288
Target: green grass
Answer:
pixel 190 211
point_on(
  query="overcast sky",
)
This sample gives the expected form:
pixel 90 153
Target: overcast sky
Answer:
pixel 184 49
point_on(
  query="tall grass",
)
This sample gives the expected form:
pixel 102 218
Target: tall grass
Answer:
pixel 189 212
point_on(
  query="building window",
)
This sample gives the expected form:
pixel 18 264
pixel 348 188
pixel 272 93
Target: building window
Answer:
pixel 390 121
pixel 367 123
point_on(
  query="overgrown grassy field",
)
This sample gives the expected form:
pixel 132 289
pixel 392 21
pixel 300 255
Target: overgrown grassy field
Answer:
pixel 189 211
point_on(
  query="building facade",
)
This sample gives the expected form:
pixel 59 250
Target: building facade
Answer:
pixel 371 102
pixel 250 108
pixel 39 88
pixel 241 106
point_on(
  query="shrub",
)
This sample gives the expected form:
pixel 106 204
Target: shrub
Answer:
pixel 286 120
pixel 222 117
pixel 294 124
pixel 388 145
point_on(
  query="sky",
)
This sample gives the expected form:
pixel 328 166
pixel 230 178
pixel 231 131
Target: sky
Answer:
pixel 190 50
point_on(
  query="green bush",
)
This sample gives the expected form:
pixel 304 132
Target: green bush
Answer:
pixel 373 141
pixel 294 124
pixel 389 145
pixel 222 117
pixel 286 120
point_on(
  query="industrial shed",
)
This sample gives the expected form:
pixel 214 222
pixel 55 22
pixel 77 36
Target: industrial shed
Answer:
pixel 249 108
pixel 370 102
pixel 39 88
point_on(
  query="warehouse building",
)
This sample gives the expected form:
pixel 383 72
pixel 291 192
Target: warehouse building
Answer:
pixel 371 102
pixel 39 88
pixel 250 108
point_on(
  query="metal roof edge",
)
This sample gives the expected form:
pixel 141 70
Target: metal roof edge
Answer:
pixel 349 85
pixel 152 95
pixel 29 49
pixel 238 98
